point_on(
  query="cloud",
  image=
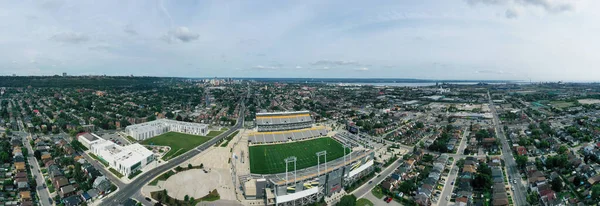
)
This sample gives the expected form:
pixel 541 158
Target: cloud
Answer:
pixel 101 47
pixel 165 12
pixel 321 68
pixel 180 34
pixel 248 42
pixel 298 67
pixel 552 6
pixel 362 69
pixel 511 13
pixel 497 72
pixel 70 37
pixel 261 67
pixel 335 63
pixel 51 4
pixel 130 30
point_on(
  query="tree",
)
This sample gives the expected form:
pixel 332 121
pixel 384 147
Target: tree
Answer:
pixel 407 186
pixel 521 160
pixel 482 181
pixel 4 157
pixel 577 180
pixel 37 154
pixel 347 200
pixel 595 191
pixel 169 115
pixel 532 198
pixel 186 198
pixel 562 149
pixel 419 125
pixel 484 169
pixel 557 184
pixel 151 118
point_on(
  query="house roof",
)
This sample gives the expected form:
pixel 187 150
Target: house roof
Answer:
pixel 25 195
pixel 71 200
pixel 67 189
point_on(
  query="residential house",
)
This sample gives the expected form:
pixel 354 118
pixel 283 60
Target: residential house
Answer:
pixel 67 191
pixel 72 200
pixel 25 196
pixel 20 167
pixel 102 184
pixel 60 182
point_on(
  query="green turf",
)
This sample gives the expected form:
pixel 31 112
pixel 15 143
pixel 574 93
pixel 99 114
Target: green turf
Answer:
pixel 179 142
pixel 364 202
pixel 269 159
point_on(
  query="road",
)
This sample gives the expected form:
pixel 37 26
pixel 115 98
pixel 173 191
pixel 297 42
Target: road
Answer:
pixel 103 169
pixel 41 191
pixel 448 186
pixel 366 188
pixel 132 190
pixel 511 166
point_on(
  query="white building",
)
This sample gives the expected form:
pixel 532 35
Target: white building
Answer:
pixel 126 160
pixel 88 139
pixel 157 127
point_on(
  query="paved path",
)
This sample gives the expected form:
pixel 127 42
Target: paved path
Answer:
pixel 448 187
pixel 366 188
pixel 378 201
pixel 510 164
pixel 132 190
pixel 41 191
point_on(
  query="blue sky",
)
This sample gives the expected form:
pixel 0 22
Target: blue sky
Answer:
pixel 542 40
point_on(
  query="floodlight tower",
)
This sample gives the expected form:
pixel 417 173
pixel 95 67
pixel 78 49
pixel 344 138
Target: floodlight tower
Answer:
pixel 319 154
pixel 288 160
pixel 347 145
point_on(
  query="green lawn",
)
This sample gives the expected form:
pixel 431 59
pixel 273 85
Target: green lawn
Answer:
pixel 364 202
pixel 377 192
pixel 117 173
pixel 269 159
pixel 561 104
pixel 179 142
pixel 228 139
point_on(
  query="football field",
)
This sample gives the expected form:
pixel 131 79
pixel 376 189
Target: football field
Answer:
pixel 179 142
pixel 269 159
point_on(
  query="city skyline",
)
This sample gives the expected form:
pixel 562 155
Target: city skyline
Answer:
pixel 541 40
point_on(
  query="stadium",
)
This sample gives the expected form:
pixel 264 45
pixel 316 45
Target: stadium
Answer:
pixel 294 162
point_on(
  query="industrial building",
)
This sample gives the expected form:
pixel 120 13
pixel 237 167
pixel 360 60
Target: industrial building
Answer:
pixel 157 127
pixel 125 159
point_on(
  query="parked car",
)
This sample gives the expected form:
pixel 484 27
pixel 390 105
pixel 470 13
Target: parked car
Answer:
pixel 389 199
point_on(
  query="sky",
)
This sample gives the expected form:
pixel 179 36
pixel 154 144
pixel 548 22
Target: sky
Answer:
pixel 538 40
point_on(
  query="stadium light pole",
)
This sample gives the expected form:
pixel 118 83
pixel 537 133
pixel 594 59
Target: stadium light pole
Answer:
pixel 349 147
pixel 324 152
pixel 288 160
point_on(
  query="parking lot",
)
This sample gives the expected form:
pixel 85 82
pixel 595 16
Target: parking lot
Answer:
pixel 116 138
